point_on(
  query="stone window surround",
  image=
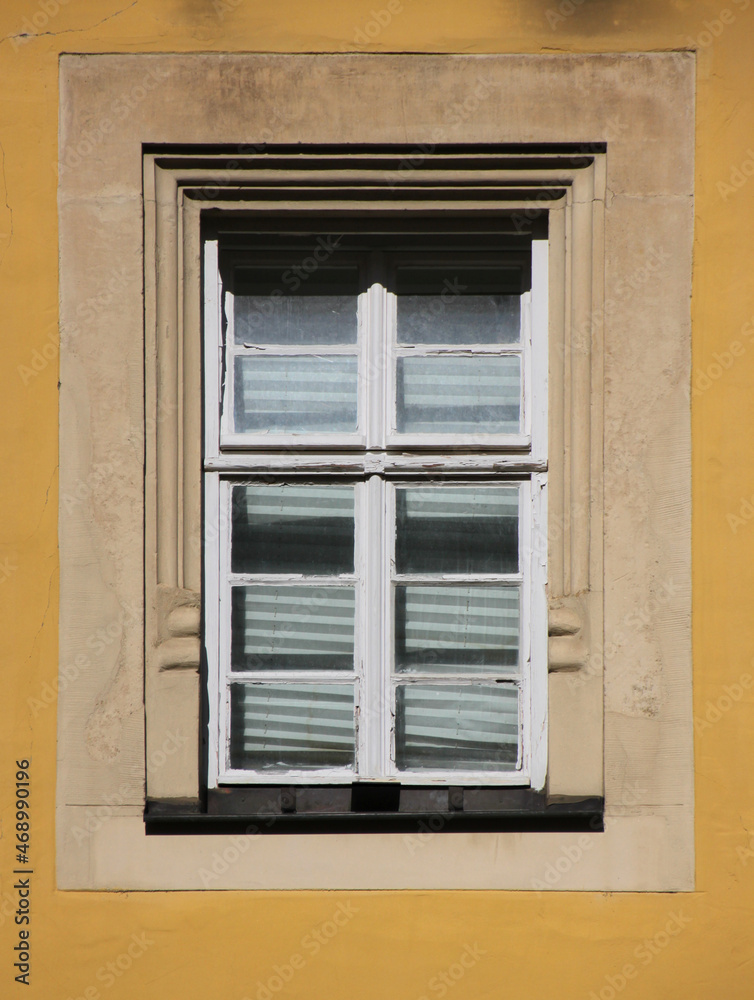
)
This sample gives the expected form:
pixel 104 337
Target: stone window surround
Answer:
pixel 100 808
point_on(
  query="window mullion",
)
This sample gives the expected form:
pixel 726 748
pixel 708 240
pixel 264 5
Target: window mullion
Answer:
pixel 372 655
pixel 534 554
pixel 213 348
pixel 374 375
pixel 536 339
pixel 217 616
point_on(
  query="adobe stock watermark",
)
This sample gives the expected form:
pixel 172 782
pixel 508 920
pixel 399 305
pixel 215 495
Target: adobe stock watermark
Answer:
pixel 723 361
pixel 523 217
pixel 114 970
pixel 644 953
pixel 714 28
pixel 7 569
pixel 120 109
pixel 711 29
pixel 444 981
pixel 744 516
pixel 739 175
pixel 223 860
pixel 291 280
pixel 714 710
pixel 311 945
pixel 95 817
pixel 84 488
pixel 455 113
pixel 380 19
pixel 89 311
pixel 572 853
pixel 742 853
pixel 653 264
pixel 37 23
pixel 634 620
pixel 97 642
pixel 232 82
pixel 223 7
pixel 425 831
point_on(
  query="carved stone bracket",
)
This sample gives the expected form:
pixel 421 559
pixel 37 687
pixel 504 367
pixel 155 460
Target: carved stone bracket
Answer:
pixel 567 630
pixel 179 619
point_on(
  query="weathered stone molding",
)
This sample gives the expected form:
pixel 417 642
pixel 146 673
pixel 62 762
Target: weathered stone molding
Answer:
pixel 624 363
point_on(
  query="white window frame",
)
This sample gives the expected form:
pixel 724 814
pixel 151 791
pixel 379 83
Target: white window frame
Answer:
pixel 518 459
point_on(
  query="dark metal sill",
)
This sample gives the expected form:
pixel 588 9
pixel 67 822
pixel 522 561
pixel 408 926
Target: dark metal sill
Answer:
pixel 517 810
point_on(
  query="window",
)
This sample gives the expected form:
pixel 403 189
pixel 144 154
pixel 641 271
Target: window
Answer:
pixel 375 471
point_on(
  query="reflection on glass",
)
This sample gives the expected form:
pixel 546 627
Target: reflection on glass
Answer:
pixel 458 395
pixel 295 305
pixel 296 394
pixel 279 726
pixel 456 529
pixel 292 529
pixel 455 727
pixel 470 629
pixel 292 628
pixel 443 304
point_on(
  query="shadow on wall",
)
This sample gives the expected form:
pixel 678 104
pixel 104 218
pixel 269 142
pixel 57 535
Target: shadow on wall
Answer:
pixel 375 25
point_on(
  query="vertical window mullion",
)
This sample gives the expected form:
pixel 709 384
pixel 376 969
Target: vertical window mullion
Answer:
pixel 536 630
pixel 221 602
pixel 213 348
pixel 375 370
pixel 361 626
pixel 525 537
pixel 213 582
pixel 370 571
pixel 536 347
pixel 389 363
pixel 388 616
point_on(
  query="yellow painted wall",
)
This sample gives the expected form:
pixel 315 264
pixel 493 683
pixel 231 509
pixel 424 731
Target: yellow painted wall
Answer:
pixel 537 946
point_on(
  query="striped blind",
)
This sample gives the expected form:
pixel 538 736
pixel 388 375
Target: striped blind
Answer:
pixel 275 727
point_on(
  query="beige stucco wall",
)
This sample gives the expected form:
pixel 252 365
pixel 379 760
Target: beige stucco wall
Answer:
pixel 643 109
pixel 570 945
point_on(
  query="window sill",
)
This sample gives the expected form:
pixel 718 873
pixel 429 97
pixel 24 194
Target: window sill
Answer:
pixel 490 810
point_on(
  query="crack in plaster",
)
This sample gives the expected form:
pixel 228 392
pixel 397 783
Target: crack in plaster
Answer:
pixel 35 529
pixel 10 210
pixel 67 31
pixel 44 617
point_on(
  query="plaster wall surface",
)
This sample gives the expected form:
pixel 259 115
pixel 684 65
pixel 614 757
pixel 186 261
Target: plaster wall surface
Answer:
pixel 332 944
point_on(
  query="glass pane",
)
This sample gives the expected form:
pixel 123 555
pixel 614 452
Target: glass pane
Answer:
pixel 292 628
pixel 457 305
pixel 275 726
pixel 292 529
pixel 295 395
pixel 296 305
pixel 455 395
pixel 456 630
pixel 456 529
pixel 456 727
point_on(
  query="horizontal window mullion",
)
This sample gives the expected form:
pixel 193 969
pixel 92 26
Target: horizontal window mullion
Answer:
pixel 441 779
pixel 333 776
pixel 463 439
pixel 457 350
pixel 358 462
pixel 251 440
pixel 499 679
pixel 346 579
pixel 294 350
pixel 438 579
pixel 297 677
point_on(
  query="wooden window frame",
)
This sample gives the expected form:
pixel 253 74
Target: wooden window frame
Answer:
pixel 375 442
